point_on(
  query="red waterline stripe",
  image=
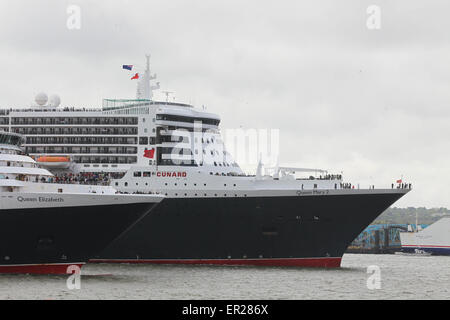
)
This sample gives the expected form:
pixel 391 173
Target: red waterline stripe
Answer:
pixel 287 262
pixel 38 268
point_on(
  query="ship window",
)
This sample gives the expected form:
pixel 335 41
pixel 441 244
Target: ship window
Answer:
pixel 126 184
pixel 146 174
pixel 137 174
pixel 143 140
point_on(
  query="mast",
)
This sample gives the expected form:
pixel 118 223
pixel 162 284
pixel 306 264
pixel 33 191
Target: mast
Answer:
pixel 144 88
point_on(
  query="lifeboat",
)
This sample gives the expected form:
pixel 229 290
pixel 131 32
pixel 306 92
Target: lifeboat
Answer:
pixel 54 162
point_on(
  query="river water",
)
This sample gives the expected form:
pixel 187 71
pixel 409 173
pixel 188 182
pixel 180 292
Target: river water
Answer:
pixel 360 277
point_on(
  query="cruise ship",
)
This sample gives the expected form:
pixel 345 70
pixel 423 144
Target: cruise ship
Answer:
pixel 45 226
pixel 213 213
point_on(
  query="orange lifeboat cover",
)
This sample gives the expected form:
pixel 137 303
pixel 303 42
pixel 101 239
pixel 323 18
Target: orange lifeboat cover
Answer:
pixel 53 159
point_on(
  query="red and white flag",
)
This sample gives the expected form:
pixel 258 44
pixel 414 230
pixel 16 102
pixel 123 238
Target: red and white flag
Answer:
pixel 136 76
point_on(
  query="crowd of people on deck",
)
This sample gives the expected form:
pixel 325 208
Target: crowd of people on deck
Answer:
pixel 83 178
pixel 331 177
pixel 402 186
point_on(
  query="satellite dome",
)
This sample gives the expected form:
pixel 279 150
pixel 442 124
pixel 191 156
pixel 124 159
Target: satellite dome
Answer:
pixel 41 99
pixel 54 101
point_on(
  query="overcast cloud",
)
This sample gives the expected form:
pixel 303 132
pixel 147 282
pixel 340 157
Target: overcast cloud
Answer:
pixel 371 103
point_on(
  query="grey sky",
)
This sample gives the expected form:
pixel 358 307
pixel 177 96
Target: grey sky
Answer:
pixel 371 103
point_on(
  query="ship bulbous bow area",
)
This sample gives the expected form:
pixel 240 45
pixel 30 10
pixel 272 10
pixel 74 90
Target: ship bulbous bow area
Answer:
pixel 301 231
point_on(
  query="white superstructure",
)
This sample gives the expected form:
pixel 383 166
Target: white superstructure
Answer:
pixel 434 239
pixel 172 148
pixel 25 185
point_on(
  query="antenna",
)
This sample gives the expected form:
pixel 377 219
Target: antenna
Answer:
pixel 167 95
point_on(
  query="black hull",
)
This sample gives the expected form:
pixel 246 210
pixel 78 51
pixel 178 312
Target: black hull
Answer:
pixel 47 240
pixel 295 230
